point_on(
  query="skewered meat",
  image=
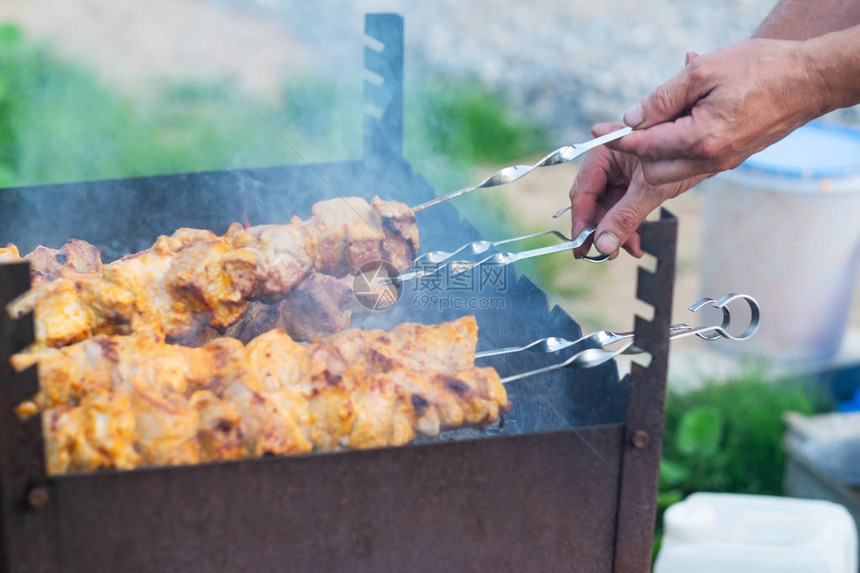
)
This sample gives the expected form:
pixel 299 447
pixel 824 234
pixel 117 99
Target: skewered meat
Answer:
pixel 194 280
pixel 125 401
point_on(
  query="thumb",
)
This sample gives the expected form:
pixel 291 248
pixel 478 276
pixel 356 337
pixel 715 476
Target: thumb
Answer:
pixel 669 100
pixel 618 225
pixel 622 221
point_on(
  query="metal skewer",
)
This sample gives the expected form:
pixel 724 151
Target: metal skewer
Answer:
pixel 460 266
pixel 514 172
pixel 591 357
pixel 552 344
pixel 561 212
pixel 480 247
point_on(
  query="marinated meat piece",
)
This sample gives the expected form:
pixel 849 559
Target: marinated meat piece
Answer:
pixel 422 347
pixel 284 259
pixel 348 232
pixel 45 265
pixel 213 279
pixel 276 361
pixel 258 318
pixel 81 257
pixel 158 311
pixel 320 305
pixel 165 427
pixel 98 433
pixel 269 422
pixel 67 310
pixel 61 428
pixel 75 258
pixel 9 254
pixel 219 432
pixel 120 363
pixel 401 233
pixel 382 416
pixel 180 239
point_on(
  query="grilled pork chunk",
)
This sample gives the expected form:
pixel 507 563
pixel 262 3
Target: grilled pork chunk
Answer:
pixel 318 306
pixel 75 258
pixel 129 401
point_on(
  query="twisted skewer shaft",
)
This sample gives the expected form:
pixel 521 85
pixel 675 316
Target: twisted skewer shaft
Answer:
pixel 514 172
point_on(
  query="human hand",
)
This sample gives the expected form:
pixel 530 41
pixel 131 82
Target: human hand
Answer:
pixel 723 107
pixel 610 191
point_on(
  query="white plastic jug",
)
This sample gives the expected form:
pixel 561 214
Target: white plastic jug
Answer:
pixel 728 533
pixel 784 227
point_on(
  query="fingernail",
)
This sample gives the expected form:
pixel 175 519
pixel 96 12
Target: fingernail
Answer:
pixel 634 115
pixel 607 243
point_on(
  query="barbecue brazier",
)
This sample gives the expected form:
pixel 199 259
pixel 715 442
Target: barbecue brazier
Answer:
pixel 567 482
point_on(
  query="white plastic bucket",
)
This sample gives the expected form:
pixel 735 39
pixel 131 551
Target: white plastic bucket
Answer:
pixel 719 533
pixel 784 227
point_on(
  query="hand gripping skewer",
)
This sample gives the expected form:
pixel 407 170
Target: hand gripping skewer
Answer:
pixel 514 172
pixel 591 357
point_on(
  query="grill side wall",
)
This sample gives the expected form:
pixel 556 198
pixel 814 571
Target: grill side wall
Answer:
pixel 526 503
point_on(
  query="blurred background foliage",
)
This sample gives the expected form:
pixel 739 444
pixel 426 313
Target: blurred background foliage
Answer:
pixel 49 132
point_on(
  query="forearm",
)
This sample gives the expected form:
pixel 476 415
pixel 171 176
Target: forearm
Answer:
pixel 833 61
pixel 805 19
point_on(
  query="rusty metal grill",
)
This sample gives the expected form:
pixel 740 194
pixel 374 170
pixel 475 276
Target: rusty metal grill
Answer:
pixel 568 482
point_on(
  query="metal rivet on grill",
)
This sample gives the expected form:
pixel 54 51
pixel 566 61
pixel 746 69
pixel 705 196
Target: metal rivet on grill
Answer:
pixel 639 439
pixel 38 497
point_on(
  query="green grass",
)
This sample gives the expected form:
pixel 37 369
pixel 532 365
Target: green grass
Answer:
pixel 59 123
pixel 468 125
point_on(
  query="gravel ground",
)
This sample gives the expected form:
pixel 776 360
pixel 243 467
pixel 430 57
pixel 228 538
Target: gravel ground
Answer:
pixel 568 64
pixel 573 63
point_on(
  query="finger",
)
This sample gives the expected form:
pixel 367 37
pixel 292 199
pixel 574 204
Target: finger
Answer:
pixel 633 245
pixel 668 101
pixel 585 195
pixel 673 170
pixel 622 220
pixel 676 139
pixel 689 57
